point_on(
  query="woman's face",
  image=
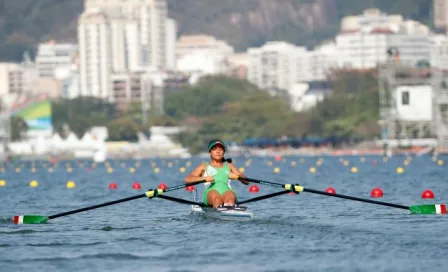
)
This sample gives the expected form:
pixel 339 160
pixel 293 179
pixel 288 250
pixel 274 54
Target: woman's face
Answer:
pixel 217 152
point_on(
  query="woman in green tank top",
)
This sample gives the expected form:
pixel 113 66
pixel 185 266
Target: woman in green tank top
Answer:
pixel 218 173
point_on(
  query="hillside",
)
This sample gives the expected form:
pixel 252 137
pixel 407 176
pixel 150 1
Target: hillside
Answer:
pixel 242 23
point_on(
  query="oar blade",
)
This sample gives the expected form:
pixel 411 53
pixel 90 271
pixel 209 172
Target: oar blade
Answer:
pixel 30 219
pixel 428 209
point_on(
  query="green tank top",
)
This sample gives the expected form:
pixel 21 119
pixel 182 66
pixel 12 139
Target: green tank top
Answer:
pixel 221 175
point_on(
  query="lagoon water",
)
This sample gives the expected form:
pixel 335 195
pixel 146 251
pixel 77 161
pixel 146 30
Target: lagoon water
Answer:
pixel 289 233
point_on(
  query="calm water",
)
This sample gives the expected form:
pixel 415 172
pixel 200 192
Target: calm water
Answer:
pixel 290 233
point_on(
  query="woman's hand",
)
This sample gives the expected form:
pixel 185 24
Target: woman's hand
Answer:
pixel 209 179
pixel 233 176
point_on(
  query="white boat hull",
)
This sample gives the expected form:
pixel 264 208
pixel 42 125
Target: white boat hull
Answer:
pixel 228 213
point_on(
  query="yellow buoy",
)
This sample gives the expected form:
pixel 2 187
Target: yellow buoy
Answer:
pixel 34 183
pixel 241 169
pixel 346 163
pixel 354 169
pixel 188 164
pixel 182 169
pixel 2 183
pixel 440 162
pixel 69 170
pixel 132 169
pixel 156 170
pixel 276 170
pixel 18 170
pixel 406 162
pixel 71 184
pixel 312 170
pixel 110 170
pixel 400 170
pixel 319 163
pixel 33 170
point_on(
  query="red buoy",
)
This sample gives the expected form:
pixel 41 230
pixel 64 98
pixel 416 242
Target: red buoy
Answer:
pixel 427 194
pixel 330 190
pixel 253 189
pixel 163 186
pixel 113 186
pixel 376 192
pixel 189 188
pixel 278 158
pixel 136 186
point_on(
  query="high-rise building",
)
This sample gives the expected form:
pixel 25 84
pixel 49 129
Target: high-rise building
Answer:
pixel 441 13
pixel 364 41
pixel 202 54
pixel 153 17
pixel 322 60
pixel 278 66
pixel 12 79
pixel 171 37
pixel 94 34
pixel 51 56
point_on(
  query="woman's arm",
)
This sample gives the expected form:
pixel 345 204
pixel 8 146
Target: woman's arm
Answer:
pixel 196 175
pixel 238 173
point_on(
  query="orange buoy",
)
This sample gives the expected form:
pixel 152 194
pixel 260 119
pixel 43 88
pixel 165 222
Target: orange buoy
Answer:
pixel 427 194
pixel 330 190
pixel 253 189
pixel 376 193
pixel 113 186
pixel 189 188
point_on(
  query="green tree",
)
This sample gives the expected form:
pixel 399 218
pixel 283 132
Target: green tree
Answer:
pixel 123 129
pixel 18 128
pixel 82 113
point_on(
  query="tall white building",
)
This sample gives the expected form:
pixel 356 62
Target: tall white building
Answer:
pixel 51 56
pixel 171 38
pixel 322 60
pixel 364 40
pixel 202 54
pixel 278 65
pixel 441 13
pixel 439 51
pixel 153 17
pixel 141 34
pixel 94 35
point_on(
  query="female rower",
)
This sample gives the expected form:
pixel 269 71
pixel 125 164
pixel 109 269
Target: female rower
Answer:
pixel 218 172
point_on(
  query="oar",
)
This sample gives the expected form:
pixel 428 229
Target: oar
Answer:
pixel 417 209
pixel 42 219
